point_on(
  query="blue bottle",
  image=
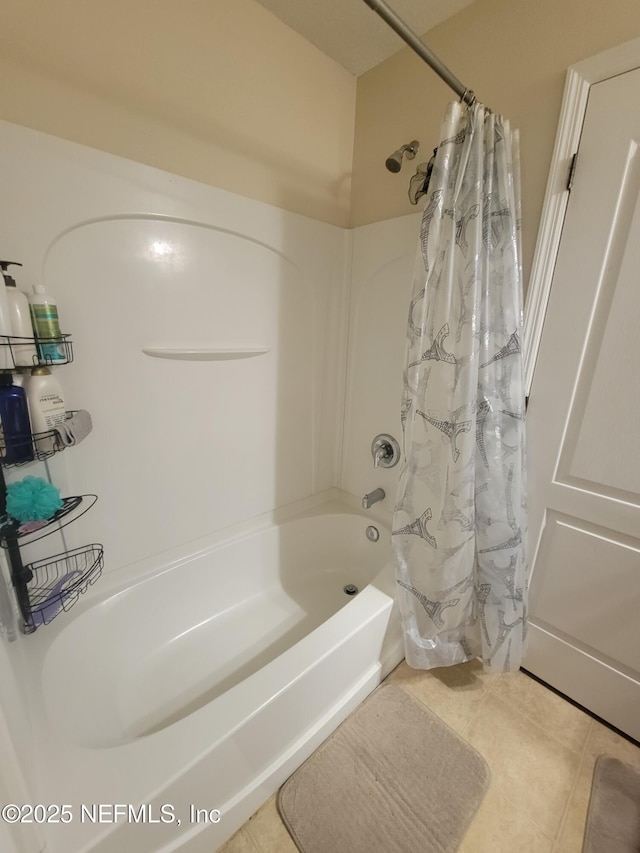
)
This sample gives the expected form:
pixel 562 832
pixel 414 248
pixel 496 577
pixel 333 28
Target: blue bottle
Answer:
pixel 15 427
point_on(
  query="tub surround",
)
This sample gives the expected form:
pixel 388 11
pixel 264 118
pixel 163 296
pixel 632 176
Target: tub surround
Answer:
pixel 143 260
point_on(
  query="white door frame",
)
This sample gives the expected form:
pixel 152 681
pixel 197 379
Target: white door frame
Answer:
pixel 580 78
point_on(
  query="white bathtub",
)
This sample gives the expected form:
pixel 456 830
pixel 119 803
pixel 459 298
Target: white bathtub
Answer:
pixel 207 683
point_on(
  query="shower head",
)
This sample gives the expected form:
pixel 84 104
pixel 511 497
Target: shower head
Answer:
pixel 394 161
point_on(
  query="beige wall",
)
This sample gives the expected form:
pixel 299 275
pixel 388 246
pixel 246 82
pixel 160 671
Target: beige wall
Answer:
pixel 226 94
pixel 223 93
pixel 514 54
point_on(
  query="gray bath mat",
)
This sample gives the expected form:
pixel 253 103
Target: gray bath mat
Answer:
pixel 613 819
pixel 393 778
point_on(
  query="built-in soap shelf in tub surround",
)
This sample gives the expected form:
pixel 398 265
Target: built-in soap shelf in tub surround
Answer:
pixel 204 353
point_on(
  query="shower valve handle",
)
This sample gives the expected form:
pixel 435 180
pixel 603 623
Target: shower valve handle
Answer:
pixel 385 451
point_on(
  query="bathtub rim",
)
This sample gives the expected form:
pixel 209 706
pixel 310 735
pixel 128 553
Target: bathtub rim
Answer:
pixel 150 569
pixel 118 580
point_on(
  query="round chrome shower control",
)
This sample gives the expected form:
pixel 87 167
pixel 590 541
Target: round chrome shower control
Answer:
pixel 385 451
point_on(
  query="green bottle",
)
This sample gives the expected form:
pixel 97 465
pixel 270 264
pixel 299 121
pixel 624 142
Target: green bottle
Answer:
pixel 46 327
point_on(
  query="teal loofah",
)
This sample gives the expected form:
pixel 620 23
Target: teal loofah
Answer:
pixel 32 499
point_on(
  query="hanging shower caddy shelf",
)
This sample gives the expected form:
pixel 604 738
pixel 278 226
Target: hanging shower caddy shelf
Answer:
pixel 43 445
pixel 11 344
pixel 31 531
pixel 55 584
pixel 47 587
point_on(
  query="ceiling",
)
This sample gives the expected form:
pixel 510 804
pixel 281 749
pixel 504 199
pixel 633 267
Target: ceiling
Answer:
pixel 351 33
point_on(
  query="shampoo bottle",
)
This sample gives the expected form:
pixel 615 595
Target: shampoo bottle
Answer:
pixel 46 406
pixel 22 347
pixel 44 317
pixel 6 360
pixel 15 427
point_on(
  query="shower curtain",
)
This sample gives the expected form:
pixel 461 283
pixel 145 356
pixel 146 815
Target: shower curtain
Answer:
pixel 459 526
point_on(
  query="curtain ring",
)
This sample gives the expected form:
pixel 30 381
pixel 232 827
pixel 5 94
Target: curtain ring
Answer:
pixel 468 97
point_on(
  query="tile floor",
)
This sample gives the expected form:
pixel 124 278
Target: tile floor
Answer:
pixel 540 748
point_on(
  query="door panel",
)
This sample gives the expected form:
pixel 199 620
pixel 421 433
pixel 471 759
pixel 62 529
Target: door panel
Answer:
pixel 599 446
pixel 583 424
pixel 597 612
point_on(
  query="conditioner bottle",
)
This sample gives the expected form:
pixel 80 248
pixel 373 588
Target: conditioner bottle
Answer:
pixel 46 407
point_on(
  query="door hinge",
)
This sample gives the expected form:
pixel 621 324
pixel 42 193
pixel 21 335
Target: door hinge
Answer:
pixel 572 170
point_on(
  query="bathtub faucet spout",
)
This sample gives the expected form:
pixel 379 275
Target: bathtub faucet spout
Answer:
pixel 372 498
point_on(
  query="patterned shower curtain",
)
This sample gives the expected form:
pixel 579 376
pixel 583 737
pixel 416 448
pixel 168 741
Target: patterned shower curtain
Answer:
pixel 460 521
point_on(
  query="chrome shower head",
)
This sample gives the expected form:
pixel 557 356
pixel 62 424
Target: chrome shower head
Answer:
pixel 394 161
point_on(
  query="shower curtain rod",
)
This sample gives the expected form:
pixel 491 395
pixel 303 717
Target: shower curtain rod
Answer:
pixel 406 33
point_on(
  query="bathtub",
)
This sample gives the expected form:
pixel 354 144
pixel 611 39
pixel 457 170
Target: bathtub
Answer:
pixel 191 692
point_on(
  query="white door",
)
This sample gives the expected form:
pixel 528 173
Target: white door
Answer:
pixel 583 428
